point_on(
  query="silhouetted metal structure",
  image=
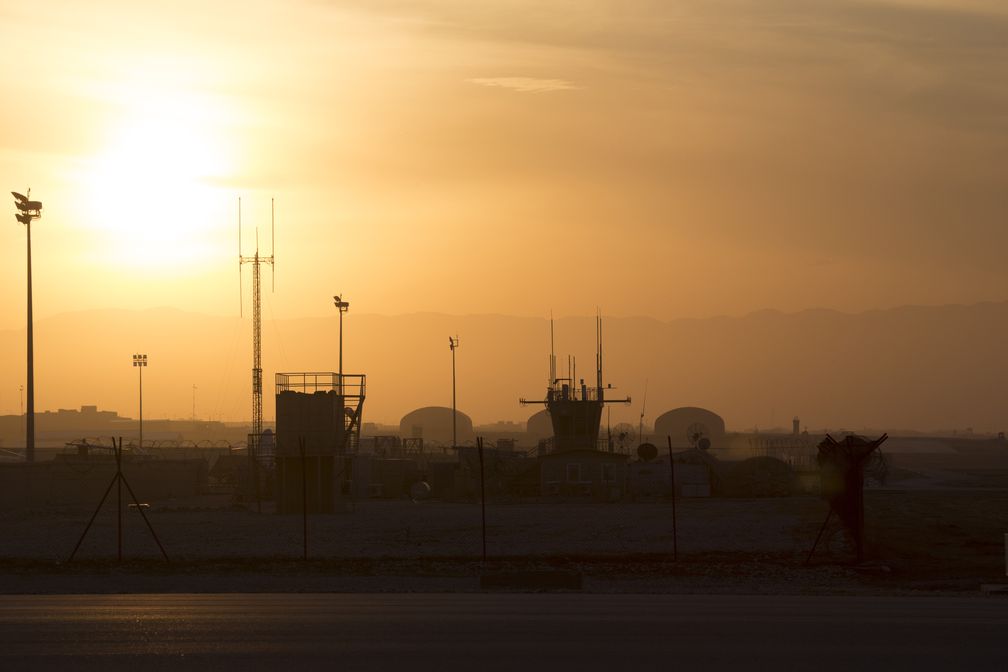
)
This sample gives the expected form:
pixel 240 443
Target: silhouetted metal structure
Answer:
pixel 453 343
pixel 576 410
pixel 140 363
pixel 29 210
pixel 118 480
pixel 318 429
pixel 342 306
pixel 256 261
pixel 842 469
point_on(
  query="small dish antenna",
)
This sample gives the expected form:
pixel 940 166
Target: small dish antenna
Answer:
pixel 647 451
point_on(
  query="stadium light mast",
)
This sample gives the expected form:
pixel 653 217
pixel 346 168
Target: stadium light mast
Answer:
pixel 453 343
pixel 342 306
pixel 140 362
pixel 29 210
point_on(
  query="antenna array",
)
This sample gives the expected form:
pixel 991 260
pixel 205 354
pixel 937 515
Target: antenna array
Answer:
pixel 256 261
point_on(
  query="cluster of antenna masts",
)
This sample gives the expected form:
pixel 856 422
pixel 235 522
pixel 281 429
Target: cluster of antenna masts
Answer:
pixel 572 361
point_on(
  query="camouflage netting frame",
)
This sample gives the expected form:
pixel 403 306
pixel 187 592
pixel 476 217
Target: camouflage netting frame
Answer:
pixel 842 472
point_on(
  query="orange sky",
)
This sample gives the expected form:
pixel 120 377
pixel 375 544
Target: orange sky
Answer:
pixel 665 159
pixel 708 158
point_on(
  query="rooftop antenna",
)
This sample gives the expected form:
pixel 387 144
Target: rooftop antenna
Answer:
pixel 640 425
pixel 552 371
pixel 256 260
pixel 598 354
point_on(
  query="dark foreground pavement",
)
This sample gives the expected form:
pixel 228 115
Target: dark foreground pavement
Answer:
pixel 414 632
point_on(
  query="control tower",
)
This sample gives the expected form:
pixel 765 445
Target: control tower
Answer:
pixel 575 409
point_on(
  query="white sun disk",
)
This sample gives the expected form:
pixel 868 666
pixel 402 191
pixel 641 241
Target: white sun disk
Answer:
pixel 151 188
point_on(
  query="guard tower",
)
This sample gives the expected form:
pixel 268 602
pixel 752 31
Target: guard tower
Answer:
pixel 575 410
pixel 322 410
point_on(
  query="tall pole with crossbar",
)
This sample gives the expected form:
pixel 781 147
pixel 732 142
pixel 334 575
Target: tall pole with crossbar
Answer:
pixel 29 210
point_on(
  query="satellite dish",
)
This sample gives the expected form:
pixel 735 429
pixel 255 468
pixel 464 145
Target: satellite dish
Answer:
pixel 695 433
pixel 647 451
pixel 624 435
pixel 420 491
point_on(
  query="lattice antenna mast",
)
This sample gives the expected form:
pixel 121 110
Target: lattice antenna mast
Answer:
pixel 598 354
pixel 552 359
pixel 256 260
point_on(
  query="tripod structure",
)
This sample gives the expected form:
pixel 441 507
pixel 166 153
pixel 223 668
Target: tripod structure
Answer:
pixel 118 480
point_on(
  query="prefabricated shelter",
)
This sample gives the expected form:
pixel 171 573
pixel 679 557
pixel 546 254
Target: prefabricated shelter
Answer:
pixel 317 433
pixel 688 425
pixel 433 424
pixel 539 426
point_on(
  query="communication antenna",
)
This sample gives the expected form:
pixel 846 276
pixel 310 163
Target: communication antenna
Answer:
pixel 624 437
pixel 640 426
pixel 552 372
pixel 256 260
pixel 598 354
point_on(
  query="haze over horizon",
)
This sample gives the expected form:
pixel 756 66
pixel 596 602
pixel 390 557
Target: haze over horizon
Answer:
pixel 911 368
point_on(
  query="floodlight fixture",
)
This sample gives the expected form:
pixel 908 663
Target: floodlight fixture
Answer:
pixel 140 360
pixel 30 209
pixel 453 343
pixel 342 306
pixel 27 211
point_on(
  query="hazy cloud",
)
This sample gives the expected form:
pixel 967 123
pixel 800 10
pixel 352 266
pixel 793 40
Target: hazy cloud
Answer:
pixel 525 84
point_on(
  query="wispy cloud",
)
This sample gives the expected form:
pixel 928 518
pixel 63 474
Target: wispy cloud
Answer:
pixel 525 84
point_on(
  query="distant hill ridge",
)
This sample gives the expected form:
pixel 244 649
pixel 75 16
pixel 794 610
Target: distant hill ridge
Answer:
pixel 912 367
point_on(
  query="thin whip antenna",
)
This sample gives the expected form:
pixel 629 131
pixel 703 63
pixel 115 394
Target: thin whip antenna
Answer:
pixel 240 298
pixel 272 245
pixel 552 354
pixel 640 426
pixel 598 343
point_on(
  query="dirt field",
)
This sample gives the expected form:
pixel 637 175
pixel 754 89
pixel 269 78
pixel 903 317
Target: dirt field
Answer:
pixel 947 539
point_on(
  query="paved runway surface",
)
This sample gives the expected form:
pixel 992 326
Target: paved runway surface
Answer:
pixel 416 632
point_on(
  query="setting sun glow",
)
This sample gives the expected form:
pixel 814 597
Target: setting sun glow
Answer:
pixel 152 186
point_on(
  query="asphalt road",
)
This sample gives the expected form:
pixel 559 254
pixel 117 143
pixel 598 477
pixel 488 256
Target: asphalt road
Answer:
pixel 413 632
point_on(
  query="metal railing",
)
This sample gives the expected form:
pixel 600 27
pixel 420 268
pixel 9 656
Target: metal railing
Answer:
pixel 349 384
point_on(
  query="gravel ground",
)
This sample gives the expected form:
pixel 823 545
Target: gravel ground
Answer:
pixel 724 546
pixel 207 528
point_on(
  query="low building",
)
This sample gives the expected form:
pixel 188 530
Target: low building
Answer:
pixel 653 478
pixel 592 473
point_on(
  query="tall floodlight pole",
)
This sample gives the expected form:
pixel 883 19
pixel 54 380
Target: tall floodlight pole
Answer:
pixel 342 306
pixel 453 343
pixel 27 211
pixel 139 363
